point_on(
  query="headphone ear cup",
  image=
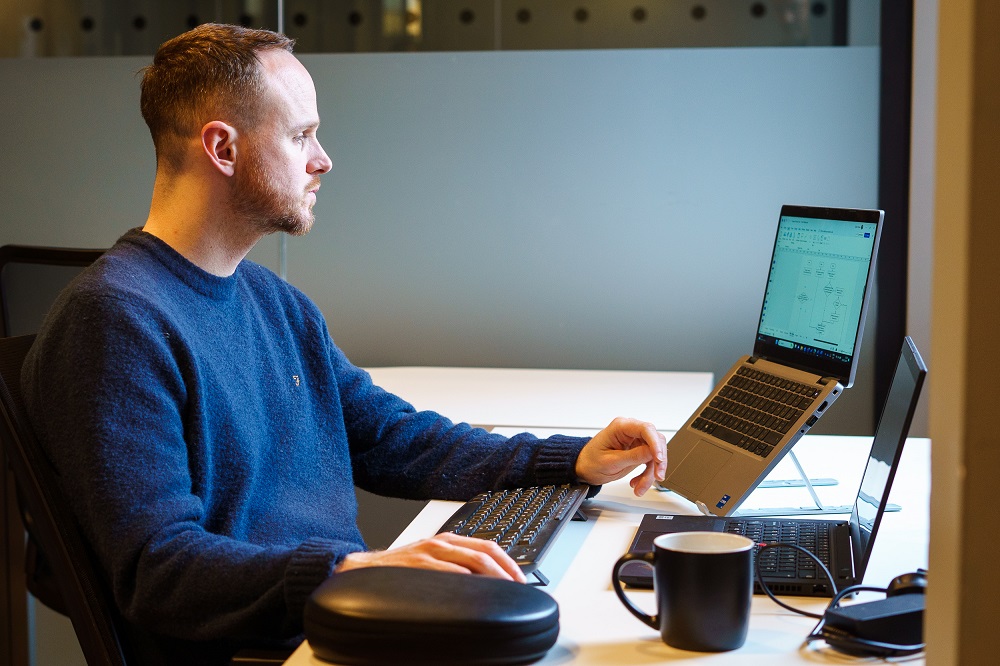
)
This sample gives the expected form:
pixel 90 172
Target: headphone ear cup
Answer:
pixel 908 583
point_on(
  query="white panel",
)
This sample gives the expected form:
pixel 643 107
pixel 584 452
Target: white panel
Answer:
pixel 76 158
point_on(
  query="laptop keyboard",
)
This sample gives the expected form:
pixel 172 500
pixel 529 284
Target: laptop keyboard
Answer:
pixel 755 409
pixel 787 562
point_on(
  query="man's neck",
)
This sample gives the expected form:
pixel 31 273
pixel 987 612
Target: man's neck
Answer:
pixel 212 252
pixel 201 232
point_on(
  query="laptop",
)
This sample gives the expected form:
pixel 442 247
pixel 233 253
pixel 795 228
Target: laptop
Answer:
pixel 805 354
pixel 846 544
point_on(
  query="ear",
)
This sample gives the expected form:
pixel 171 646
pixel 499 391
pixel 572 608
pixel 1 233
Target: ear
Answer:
pixel 218 140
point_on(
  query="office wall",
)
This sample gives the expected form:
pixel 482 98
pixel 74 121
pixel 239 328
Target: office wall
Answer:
pixel 600 209
pixel 75 157
pixel 595 209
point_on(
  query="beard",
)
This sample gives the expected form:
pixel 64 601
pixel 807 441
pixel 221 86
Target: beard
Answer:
pixel 265 205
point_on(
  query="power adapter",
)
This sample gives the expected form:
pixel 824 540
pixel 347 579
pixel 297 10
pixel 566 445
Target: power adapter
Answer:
pixel 897 620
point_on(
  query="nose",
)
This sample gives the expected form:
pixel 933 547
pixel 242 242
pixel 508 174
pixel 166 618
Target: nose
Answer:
pixel 320 163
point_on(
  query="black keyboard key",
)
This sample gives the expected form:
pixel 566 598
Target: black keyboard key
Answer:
pixel 524 522
pixel 754 410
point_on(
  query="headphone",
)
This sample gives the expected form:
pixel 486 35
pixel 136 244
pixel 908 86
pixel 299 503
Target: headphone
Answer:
pixel 908 583
pixel 842 641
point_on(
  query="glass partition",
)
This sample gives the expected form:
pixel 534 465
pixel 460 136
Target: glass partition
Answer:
pixel 33 28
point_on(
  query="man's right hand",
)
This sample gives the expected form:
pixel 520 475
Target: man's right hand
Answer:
pixel 443 552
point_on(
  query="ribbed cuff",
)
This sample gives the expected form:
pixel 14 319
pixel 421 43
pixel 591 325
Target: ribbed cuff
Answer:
pixel 311 564
pixel 556 460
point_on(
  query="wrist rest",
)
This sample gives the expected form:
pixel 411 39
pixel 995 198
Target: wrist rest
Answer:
pixel 393 615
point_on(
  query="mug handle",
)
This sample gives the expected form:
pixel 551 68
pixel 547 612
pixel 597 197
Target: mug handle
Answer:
pixel 652 620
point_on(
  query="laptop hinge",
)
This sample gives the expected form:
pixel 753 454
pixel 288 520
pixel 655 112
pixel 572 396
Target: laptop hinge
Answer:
pixel 753 359
pixel 826 380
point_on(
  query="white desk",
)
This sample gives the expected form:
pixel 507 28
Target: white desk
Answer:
pixel 596 629
pixel 549 398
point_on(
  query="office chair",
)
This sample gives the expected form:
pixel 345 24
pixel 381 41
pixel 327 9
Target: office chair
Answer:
pixel 30 279
pixel 25 291
pixel 50 524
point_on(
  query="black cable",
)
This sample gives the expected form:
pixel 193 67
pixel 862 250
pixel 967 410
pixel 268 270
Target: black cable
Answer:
pixel 817 632
pixel 838 639
pixel 847 643
pixel 767 590
pixel 850 644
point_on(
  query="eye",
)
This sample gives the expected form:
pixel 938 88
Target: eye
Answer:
pixel 305 136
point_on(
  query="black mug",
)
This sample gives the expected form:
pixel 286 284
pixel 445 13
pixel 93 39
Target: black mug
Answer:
pixel 703 583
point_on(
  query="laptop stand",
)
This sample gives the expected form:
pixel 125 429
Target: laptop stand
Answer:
pixel 819 508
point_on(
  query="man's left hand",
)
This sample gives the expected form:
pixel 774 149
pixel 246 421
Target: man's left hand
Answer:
pixel 620 448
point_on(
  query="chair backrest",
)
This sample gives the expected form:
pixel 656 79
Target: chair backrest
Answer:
pixel 50 522
pixel 30 278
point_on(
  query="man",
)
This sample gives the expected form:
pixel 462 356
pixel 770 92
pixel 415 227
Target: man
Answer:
pixel 205 426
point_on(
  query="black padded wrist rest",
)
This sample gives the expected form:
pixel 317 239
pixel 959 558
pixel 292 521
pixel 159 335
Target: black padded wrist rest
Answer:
pixel 396 615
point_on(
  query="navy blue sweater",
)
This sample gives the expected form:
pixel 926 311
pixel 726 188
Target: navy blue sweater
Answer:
pixel 209 434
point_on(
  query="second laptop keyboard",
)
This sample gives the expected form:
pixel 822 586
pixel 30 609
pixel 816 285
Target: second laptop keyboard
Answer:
pixel 755 409
pixel 523 521
pixel 814 536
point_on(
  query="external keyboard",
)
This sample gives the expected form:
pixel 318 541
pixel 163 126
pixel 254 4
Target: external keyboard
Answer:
pixel 754 409
pixel 523 521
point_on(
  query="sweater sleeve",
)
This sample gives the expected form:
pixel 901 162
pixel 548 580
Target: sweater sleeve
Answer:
pixel 106 392
pixel 400 452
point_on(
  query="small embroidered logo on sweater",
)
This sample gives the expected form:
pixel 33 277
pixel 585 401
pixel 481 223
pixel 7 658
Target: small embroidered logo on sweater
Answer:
pixel 296 379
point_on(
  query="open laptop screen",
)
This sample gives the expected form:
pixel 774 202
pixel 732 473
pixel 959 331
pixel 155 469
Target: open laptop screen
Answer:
pixel 894 424
pixel 817 289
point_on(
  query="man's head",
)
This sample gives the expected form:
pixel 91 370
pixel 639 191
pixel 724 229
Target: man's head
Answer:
pixel 210 73
pixel 237 102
